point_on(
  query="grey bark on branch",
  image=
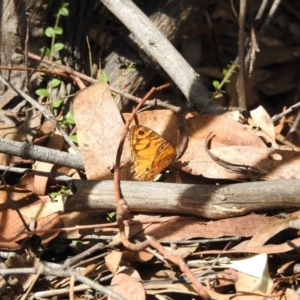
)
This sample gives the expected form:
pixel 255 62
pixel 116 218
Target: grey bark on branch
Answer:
pixel 41 154
pixel 212 202
pixel 155 44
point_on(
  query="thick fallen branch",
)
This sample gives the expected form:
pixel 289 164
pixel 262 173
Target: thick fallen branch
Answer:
pixel 155 44
pixel 212 202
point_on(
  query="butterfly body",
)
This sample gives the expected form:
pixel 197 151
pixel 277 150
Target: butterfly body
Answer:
pixel 150 152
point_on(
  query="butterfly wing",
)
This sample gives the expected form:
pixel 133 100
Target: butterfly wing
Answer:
pixel 164 156
pixel 151 153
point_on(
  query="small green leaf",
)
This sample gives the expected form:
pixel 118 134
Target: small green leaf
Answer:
pixel 57 103
pixel 103 76
pixel 54 194
pixel 218 95
pixel 65 191
pixel 62 121
pixel 225 72
pixel 111 215
pixel 58 30
pixel 77 244
pixel 45 51
pixel 63 11
pixel 216 84
pixel 50 32
pixel 74 138
pixel 42 92
pixel 55 82
pixel 70 117
pixel 63 124
pixel 58 46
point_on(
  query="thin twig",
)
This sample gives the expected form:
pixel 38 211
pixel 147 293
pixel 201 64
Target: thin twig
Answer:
pixel 53 175
pixel 277 117
pixel 70 262
pixel 57 292
pixel 268 19
pixel 28 16
pixel 70 71
pixel 295 123
pixel 241 83
pixel 254 49
pixel 55 72
pixel 47 271
pixel 263 27
pixel 261 30
pixel 98 287
pixel 90 55
pixel 110 225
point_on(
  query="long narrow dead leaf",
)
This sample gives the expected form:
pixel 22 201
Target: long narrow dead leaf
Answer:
pixel 99 128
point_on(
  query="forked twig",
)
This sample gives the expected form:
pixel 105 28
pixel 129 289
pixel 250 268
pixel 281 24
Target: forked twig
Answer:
pixel 70 71
pixel 123 213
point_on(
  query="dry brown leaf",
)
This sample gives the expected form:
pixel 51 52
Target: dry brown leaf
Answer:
pixel 245 226
pixel 40 182
pixel 44 132
pixel 112 261
pixel 12 228
pixel 164 122
pixel 278 164
pixel 127 283
pixel 136 256
pixel 227 133
pixel 291 294
pixel 247 283
pixel 43 207
pixel 81 218
pixel 268 231
pixel 182 251
pixel 262 120
pixel 99 128
pixel 227 277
